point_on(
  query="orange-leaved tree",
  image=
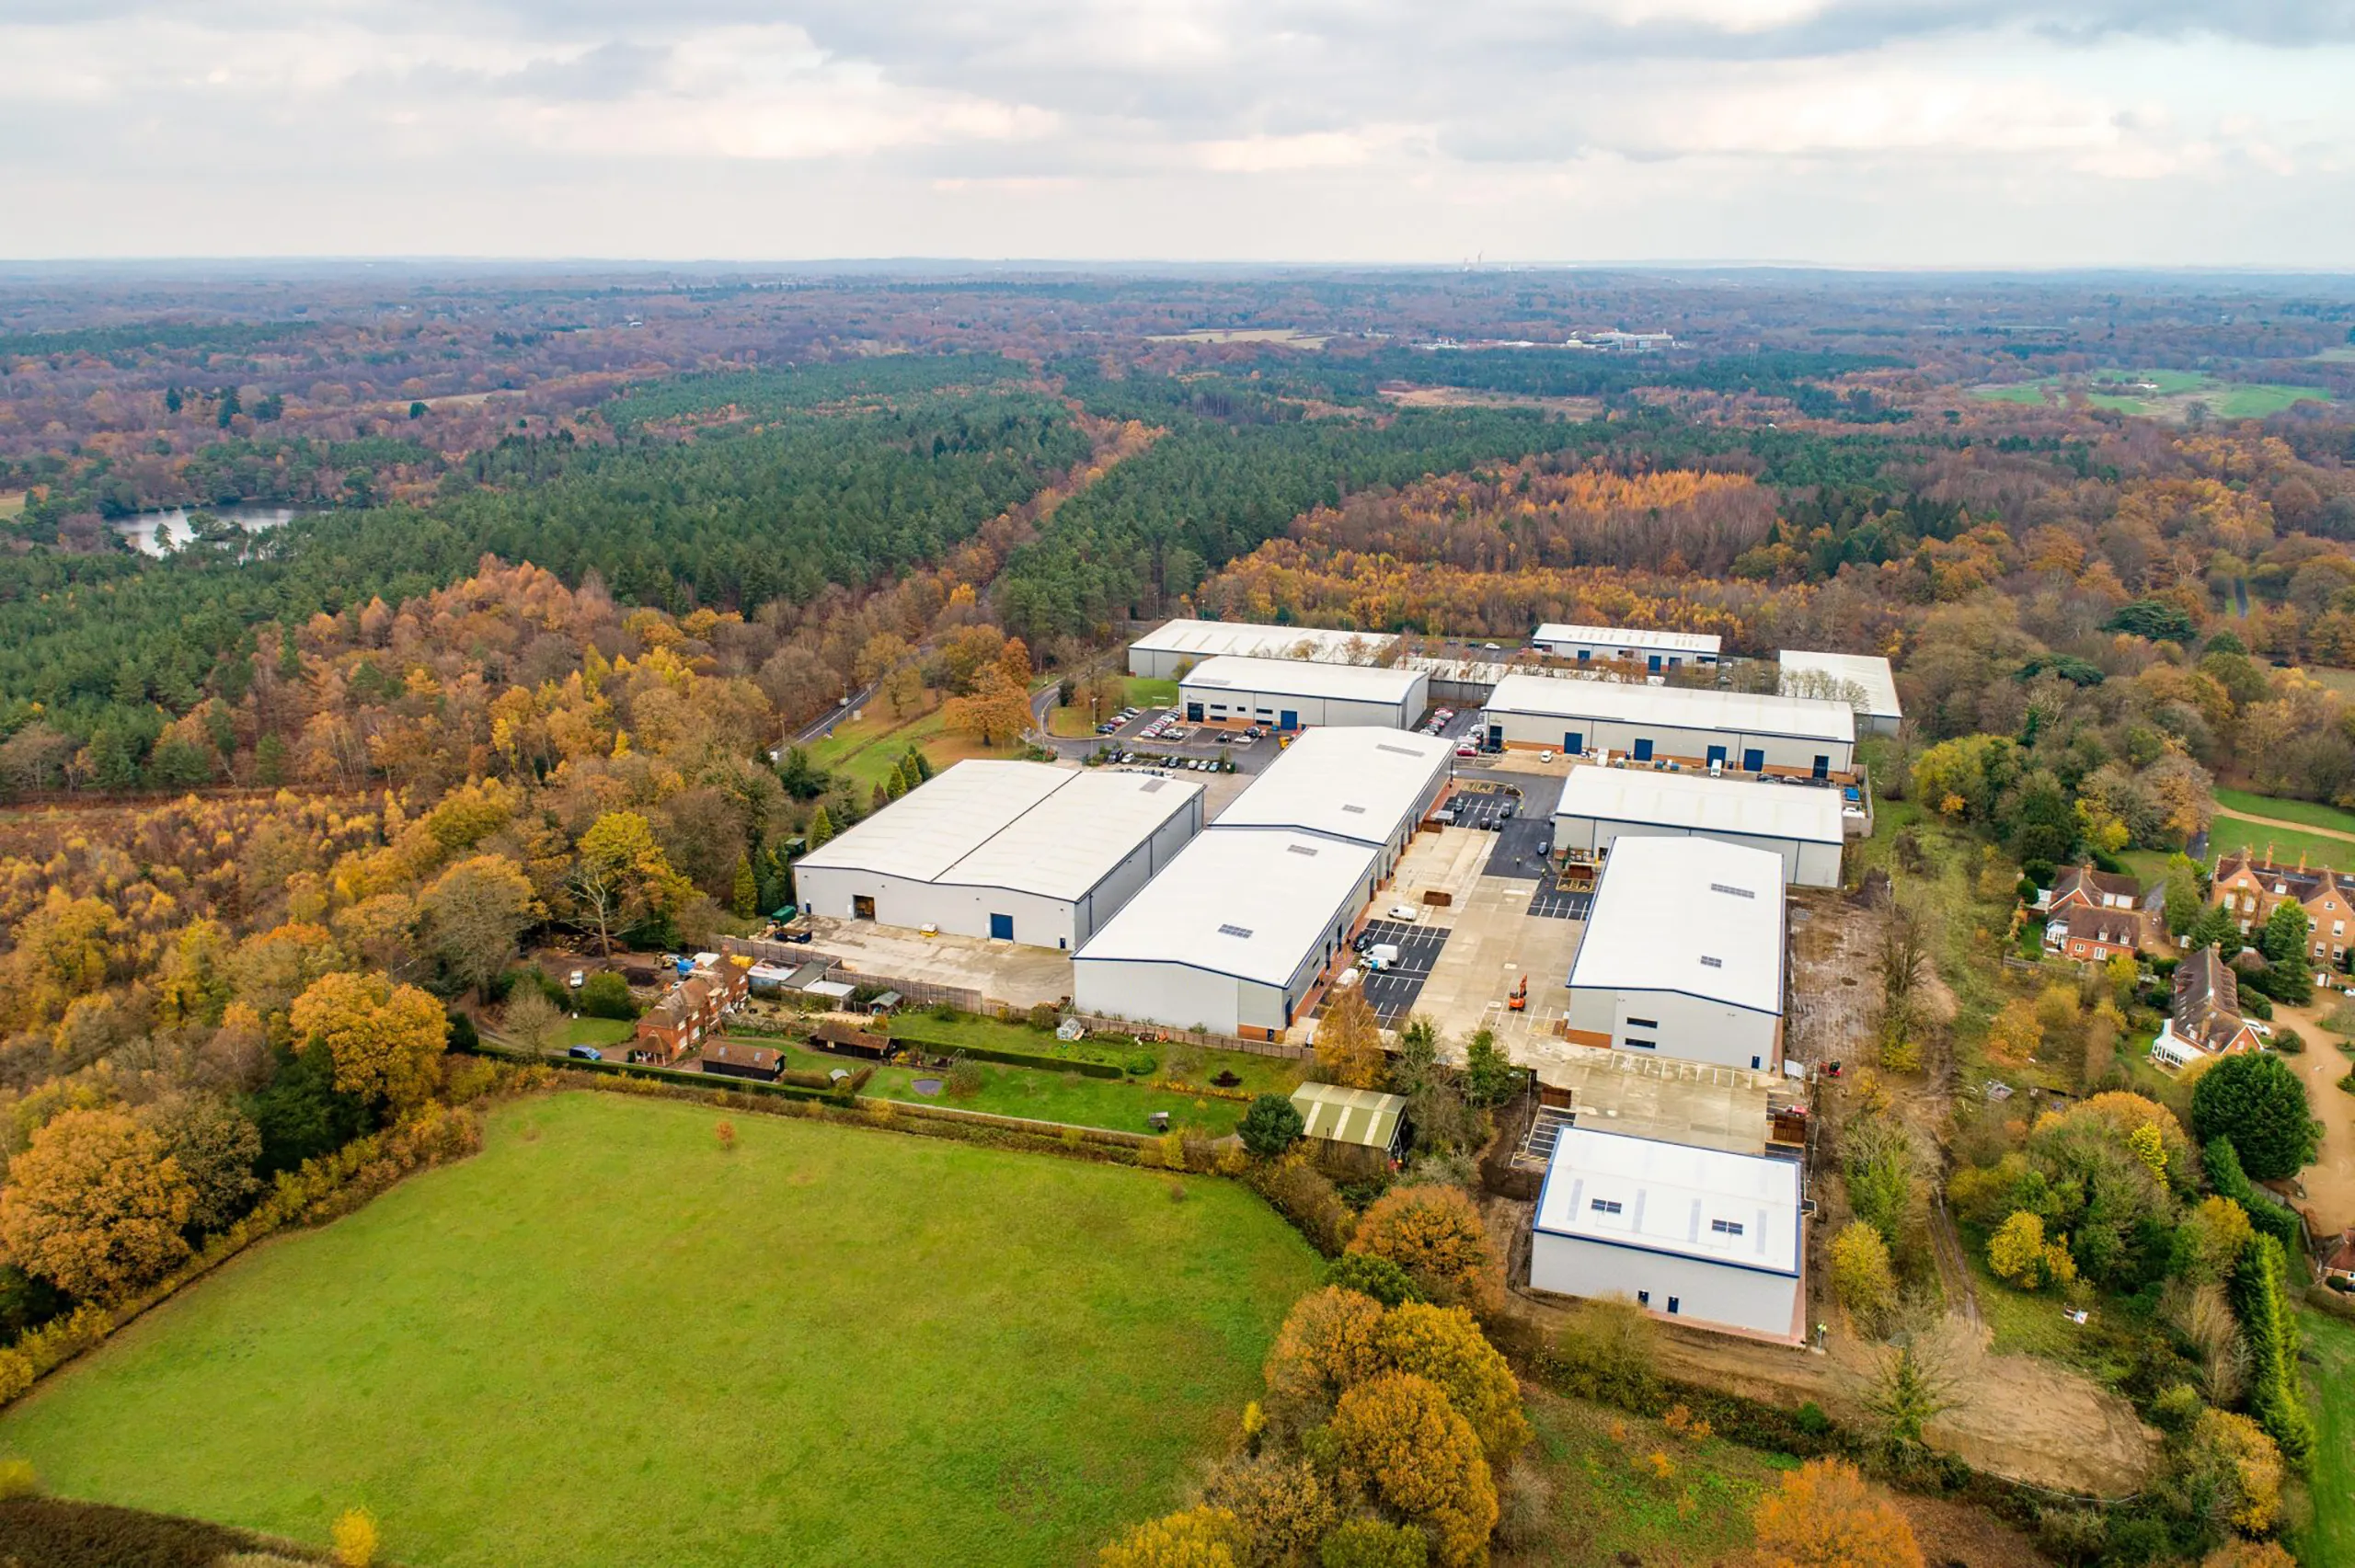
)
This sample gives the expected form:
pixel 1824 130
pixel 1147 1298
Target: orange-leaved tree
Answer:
pixel 95 1205
pixel 1446 1346
pixel 1400 1441
pixel 1435 1234
pixel 385 1039
pixel 1823 1516
pixel 1327 1345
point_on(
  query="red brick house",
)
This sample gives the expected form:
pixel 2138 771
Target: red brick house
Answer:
pixel 2083 887
pixel 2096 937
pixel 2206 1017
pixel 2251 888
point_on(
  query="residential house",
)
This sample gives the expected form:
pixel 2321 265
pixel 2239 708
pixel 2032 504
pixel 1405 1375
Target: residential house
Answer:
pixel 736 1058
pixel 2340 1266
pixel 2083 887
pixel 696 1007
pixel 2096 937
pixel 2205 1019
pixel 2251 890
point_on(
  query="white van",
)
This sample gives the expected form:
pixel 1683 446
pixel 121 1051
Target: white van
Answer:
pixel 1380 956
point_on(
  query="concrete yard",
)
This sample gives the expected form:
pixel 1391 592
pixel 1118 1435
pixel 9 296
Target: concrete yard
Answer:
pixel 1661 1097
pixel 1492 941
pixel 1001 972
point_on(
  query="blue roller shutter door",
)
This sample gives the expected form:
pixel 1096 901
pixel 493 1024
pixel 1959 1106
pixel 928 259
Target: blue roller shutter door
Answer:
pixel 1002 927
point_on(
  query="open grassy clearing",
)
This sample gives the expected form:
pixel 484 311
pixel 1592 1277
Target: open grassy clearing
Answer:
pixel 2227 834
pixel 864 750
pixel 2312 813
pixel 2158 393
pixel 605 1341
pixel 2339 680
pixel 2329 1534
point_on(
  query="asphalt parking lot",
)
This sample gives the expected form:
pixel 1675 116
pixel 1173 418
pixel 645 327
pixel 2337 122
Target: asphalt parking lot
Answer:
pixel 1393 992
pixel 1553 902
pixel 1482 807
pixel 1521 847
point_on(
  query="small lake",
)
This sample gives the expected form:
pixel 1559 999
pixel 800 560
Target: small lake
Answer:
pixel 147 531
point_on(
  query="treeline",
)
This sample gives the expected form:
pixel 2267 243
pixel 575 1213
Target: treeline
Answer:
pixel 163 336
pixel 766 394
pixel 267 471
pixel 1568 372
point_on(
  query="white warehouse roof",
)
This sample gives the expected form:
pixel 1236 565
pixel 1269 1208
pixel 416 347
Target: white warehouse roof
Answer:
pixel 1630 637
pixel 1021 825
pixel 1249 905
pixel 1703 805
pixel 1345 682
pixel 1210 639
pixel 1738 1209
pixel 1868 672
pixel 1350 783
pixel 1676 707
pixel 1697 916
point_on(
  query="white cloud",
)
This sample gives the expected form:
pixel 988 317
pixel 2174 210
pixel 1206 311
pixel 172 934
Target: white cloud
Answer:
pixel 2021 130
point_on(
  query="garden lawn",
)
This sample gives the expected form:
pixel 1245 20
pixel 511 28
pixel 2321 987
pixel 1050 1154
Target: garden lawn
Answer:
pixel 598 1031
pixel 604 1340
pixel 2329 1535
pixel 2314 814
pixel 2226 834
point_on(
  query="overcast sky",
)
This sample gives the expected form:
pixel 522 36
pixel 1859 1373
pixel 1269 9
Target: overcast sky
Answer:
pixel 1979 133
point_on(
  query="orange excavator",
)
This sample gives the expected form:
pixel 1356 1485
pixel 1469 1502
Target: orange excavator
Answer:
pixel 1519 1000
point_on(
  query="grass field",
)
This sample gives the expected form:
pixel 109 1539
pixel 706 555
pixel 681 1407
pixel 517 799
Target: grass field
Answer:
pixel 2329 1535
pixel 2312 813
pixel 2229 833
pixel 2339 680
pixel 1610 1507
pixel 605 1341
pixel 597 1031
pixel 1143 691
pixel 864 750
pixel 2171 393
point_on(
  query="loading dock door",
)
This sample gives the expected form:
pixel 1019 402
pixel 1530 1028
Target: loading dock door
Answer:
pixel 1823 767
pixel 1753 761
pixel 862 906
pixel 1290 719
pixel 1716 756
pixel 1496 737
pixel 1002 927
pixel 1574 743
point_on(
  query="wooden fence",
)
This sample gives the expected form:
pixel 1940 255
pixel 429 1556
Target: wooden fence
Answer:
pixel 1101 1024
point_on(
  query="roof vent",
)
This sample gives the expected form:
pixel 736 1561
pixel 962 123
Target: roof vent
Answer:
pixel 1395 750
pixel 1150 786
pixel 1713 963
pixel 1243 930
pixel 1300 849
pixel 1737 892
pixel 1354 810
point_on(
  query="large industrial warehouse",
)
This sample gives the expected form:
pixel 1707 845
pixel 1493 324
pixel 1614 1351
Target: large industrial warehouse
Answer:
pixel 1861 680
pixel 1733 730
pixel 1656 651
pixel 1601 805
pixel 1367 786
pixel 1233 937
pixel 1290 693
pixel 1684 955
pixel 1694 1233
pixel 1176 646
pixel 1017 851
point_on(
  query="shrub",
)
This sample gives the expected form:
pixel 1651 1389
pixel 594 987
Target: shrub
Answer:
pixel 1199 1538
pixel 2259 1301
pixel 606 995
pixel 1271 1126
pixel 1823 1516
pixel 724 1131
pixel 2258 1103
pixel 2288 1042
pixel 1605 1353
pixel 1862 1277
pixel 1370 1543
pixel 1143 1064
pixel 1280 1504
pixel 964 1080
pixel 1306 1196
pixel 17 1478
pixel 1436 1235
pixel 355 1538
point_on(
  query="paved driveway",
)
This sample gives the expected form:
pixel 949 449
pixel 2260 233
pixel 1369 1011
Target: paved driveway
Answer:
pixel 1392 993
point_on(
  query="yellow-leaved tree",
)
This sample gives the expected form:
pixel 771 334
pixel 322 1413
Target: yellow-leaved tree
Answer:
pixel 95 1205
pixel 1199 1538
pixel 1399 1441
pixel 1823 1516
pixel 385 1039
pixel 1436 1235
pixel 1349 1041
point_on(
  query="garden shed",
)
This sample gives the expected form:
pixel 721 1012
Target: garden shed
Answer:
pixel 1356 1129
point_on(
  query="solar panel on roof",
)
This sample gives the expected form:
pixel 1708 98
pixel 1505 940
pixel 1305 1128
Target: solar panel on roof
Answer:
pixel 1300 849
pixel 1357 810
pixel 1709 962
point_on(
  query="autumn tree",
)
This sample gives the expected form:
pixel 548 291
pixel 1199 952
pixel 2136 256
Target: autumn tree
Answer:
pixel 2018 1252
pixel 1861 1275
pixel 1435 1234
pixel 2017 1031
pixel 1349 1041
pixel 383 1040
pixel 1823 1516
pixel 215 1146
pixel 1446 1346
pixel 995 711
pixel 531 1020
pixel 621 879
pixel 475 911
pixel 1199 1538
pixel 1905 954
pixel 1330 1342
pixel 96 1205
pixel 1280 1505
pixel 1399 1441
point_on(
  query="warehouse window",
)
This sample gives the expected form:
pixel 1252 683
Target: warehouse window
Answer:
pixel 1636 1045
pixel 1606 1206
pixel 1300 849
pixel 1643 1023
pixel 1726 1227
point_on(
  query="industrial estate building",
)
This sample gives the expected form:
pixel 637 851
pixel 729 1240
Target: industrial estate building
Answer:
pixel 1861 680
pixel 1656 652
pixel 1291 693
pixel 1599 806
pixel 1684 953
pixel 1734 732
pixel 1176 646
pixel 1233 937
pixel 1017 851
pixel 1689 1232
pixel 1366 786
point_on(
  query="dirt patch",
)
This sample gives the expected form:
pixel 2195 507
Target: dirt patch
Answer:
pixel 1466 397
pixel 2329 1181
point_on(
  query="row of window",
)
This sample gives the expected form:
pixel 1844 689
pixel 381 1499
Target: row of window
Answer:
pixel 1613 1206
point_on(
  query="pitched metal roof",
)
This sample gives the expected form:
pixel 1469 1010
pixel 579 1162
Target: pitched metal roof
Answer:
pixel 1338 1115
pixel 1694 915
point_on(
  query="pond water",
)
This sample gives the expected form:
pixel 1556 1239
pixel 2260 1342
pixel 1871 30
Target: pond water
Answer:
pixel 147 530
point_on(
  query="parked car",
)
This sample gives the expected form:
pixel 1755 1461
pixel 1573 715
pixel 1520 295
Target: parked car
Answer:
pixel 585 1053
pixel 1364 940
pixel 1468 751
pixel 1545 756
pixel 576 980
pixel 1404 911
